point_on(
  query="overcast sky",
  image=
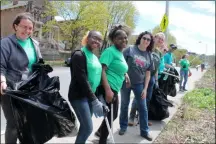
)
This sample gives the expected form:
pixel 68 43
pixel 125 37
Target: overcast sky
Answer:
pixel 189 21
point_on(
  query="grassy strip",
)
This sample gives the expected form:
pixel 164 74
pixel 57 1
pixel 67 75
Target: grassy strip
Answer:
pixel 203 98
pixel 194 121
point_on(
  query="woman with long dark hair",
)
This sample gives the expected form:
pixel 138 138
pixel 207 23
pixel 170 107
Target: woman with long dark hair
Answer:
pixel 140 64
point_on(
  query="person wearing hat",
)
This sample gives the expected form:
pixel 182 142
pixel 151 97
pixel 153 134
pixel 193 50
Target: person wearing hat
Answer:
pixel 168 57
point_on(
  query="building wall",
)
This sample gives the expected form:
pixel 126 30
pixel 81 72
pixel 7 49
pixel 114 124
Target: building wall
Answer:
pixel 7 17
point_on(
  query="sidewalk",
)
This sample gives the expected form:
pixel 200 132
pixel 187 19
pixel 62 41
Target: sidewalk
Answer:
pixel 132 134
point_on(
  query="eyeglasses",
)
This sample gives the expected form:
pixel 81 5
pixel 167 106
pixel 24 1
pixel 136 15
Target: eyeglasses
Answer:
pixel 147 39
pixel 97 39
pixel 26 27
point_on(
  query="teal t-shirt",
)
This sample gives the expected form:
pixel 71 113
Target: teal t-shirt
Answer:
pixel 168 58
pixel 28 47
pixel 94 69
pixel 116 67
pixel 184 64
pixel 162 65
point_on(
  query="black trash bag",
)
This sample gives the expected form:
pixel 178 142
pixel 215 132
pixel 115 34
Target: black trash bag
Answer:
pixel 158 107
pixel 167 83
pixel 39 110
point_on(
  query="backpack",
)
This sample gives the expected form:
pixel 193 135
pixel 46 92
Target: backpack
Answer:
pixel 83 55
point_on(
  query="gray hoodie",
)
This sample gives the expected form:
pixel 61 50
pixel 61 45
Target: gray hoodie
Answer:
pixel 14 61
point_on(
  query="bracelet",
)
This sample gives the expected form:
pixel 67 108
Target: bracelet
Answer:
pixel 3 81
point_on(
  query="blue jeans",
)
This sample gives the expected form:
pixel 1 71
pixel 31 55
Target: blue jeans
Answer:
pixel 142 107
pixel 183 75
pixel 148 97
pixel 84 114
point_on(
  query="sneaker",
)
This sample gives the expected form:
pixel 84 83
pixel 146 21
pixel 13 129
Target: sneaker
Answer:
pixel 148 137
pixel 131 122
pixel 97 134
pixel 122 132
pixel 149 124
pixel 185 90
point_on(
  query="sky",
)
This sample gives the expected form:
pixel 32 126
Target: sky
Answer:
pixel 191 22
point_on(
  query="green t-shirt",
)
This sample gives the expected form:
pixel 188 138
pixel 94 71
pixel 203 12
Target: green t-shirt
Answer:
pixel 116 67
pixel 94 69
pixel 184 64
pixel 28 47
pixel 161 66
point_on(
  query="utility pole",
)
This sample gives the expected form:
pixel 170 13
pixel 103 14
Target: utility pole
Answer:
pixel 167 14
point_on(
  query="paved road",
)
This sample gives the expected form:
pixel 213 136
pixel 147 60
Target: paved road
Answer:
pixel 132 135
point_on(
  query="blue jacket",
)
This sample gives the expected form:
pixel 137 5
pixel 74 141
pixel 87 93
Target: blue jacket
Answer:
pixel 14 61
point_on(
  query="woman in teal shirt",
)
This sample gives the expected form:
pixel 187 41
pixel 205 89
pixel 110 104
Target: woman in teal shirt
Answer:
pixel 184 71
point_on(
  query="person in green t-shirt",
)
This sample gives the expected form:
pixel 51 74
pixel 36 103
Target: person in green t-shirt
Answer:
pixel 184 71
pixel 86 73
pixel 114 72
pixel 18 52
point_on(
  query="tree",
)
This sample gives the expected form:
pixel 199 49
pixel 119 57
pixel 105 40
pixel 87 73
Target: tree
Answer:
pixel 79 17
pixel 5 2
pixel 120 12
pixel 178 54
pixel 171 38
pixel 194 60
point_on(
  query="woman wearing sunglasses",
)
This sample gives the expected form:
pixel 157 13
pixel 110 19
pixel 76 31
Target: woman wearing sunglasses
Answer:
pixel 139 60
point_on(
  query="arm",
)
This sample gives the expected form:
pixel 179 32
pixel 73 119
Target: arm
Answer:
pixel 4 61
pixel 104 78
pixel 147 78
pixel 108 92
pixel 78 65
pixel 3 65
pixel 106 59
pixel 127 81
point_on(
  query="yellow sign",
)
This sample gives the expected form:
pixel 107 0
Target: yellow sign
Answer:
pixel 164 23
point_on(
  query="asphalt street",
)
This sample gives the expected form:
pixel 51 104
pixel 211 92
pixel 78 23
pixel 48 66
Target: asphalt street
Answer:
pixel 64 75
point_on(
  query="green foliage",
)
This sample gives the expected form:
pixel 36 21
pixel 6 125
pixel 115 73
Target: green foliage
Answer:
pixel 179 53
pixel 171 39
pixel 81 16
pixel 194 60
pixel 5 2
pixel 201 98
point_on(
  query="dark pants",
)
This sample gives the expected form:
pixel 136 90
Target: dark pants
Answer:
pixel 11 130
pixel 103 127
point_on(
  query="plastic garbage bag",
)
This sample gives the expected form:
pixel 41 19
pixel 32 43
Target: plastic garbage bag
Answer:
pixel 39 110
pixel 167 82
pixel 158 107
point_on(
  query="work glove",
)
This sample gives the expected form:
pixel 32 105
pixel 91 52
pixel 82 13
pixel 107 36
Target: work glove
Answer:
pixel 156 84
pixel 97 108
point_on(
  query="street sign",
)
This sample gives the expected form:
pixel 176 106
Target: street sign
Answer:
pixel 164 23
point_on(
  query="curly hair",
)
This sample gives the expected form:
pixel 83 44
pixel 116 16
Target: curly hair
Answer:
pixel 114 32
pixel 151 45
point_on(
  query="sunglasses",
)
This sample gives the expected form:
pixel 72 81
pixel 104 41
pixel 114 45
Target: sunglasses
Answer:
pixel 148 39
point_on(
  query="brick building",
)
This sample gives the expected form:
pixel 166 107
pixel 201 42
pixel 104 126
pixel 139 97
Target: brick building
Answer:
pixel 48 46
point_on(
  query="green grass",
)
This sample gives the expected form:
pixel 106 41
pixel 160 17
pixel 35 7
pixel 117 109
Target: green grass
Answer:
pixel 203 98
